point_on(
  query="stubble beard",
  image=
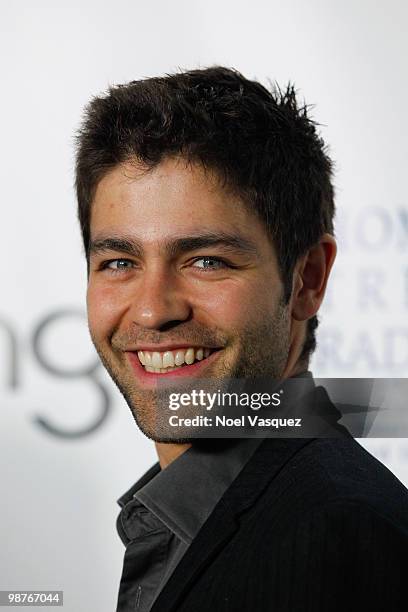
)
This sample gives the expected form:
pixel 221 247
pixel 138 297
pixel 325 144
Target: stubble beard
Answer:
pixel 263 353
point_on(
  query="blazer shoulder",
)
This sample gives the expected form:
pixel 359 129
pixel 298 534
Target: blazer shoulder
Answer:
pixel 340 470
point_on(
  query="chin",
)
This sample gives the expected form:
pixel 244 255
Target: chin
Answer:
pixel 159 433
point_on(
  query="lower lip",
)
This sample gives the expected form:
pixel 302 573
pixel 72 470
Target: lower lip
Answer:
pixel 186 371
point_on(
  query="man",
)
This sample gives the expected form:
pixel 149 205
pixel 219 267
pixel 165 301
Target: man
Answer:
pixel 206 207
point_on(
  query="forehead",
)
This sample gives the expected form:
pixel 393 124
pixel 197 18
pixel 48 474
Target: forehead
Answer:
pixel 172 198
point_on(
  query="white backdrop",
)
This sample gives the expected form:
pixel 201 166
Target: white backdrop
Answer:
pixel 348 58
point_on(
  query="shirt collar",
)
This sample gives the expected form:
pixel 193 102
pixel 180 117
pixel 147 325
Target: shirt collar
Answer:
pixel 183 495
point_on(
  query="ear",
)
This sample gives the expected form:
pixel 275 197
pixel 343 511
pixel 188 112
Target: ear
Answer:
pixel 310 278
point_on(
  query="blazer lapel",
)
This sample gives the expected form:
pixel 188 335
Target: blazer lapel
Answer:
pixel 223 522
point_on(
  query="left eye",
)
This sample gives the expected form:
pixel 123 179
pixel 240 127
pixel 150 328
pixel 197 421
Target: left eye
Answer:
pixel 209 263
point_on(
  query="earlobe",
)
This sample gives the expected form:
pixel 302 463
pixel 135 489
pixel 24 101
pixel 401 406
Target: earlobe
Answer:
pixel 310 278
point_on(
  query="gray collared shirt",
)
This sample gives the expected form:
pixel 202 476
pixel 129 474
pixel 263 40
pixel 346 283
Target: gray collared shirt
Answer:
pixel 163 512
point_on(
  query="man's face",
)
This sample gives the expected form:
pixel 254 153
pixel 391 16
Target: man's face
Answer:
pixel 183 282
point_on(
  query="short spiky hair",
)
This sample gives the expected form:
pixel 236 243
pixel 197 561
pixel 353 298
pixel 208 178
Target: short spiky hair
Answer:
pixel 263 144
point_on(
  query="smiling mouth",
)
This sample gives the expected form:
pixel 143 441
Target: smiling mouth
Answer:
pixel 170 361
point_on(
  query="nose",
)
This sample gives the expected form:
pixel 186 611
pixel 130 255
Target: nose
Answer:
pixel 159 301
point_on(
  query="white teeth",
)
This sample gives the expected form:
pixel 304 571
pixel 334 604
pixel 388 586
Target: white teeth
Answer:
pixel 179 358
pixel 157 361
pixel 171 360
pixel 168 359
pixel 189 356
pixel 160 370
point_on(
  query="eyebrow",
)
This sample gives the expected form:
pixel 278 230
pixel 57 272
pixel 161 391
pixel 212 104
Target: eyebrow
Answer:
pixel 176 246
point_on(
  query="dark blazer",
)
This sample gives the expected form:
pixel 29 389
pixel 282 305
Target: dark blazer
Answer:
pixel 313 525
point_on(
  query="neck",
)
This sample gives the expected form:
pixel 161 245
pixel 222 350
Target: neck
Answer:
pixel 294 365
pixel 167 453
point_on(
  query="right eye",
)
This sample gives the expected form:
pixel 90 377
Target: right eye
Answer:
pixel 118 265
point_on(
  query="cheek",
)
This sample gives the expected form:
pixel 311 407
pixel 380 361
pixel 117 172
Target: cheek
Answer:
pixel 232 306
pixel 104 310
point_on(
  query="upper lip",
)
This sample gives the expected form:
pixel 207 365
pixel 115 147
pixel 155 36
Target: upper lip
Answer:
pixel 161 348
